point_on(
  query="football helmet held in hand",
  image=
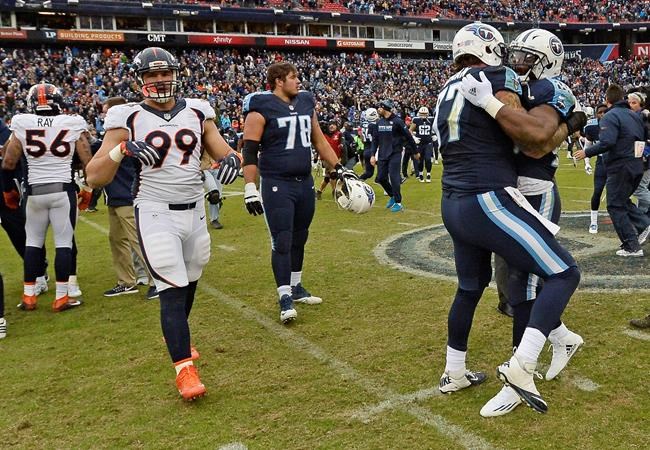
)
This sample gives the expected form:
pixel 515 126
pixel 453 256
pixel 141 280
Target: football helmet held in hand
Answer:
pixel 354 195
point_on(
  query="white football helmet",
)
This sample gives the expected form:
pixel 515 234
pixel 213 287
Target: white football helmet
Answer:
pixel 423 112
pixel 537 52
pixel 354 195
pixel 589 111
pixel 481 40
pixel 372 115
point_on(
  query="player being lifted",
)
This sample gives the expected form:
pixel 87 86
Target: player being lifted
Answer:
pixel 281 127
pixel 49 140
pixel 165 135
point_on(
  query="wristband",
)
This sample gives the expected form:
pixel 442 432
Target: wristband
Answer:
pixel 493 106
pixel 116 153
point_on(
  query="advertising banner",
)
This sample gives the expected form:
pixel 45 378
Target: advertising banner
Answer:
pixel 10 33
pixel 295 42
pixel 220 39
pixel 601 52
pixel 350 43
pixel 90 36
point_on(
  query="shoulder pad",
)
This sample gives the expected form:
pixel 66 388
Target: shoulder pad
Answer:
pixel 203 106
pixel 253 100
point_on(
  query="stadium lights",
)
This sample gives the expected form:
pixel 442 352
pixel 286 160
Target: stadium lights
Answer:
pixel 147 5
pixel 510 24
pixel 643 29
pixel 306 18
pixel 388 17
pixel 616 24
pixel 434 20
pixel 335 14
pixel 20 3
pixel 277 12
pixel 73 2
pixel 47 4
pixel 562 24
pixel 215 8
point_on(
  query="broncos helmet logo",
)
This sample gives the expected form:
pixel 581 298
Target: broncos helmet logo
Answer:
pixel 556 46
pixel 482 32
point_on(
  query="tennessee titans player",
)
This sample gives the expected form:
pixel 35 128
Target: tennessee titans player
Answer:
pixel 479 188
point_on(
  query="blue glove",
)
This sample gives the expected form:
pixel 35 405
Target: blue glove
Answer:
pixel 141 151
pixel 229 168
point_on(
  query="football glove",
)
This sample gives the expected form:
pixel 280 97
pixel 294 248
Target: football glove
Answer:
pixel 141 151
pixel 477 92
pixel 83 199
pixel 229 168
pixel 417 139
pixel 253 200
pixel 576 121
pixel 340 172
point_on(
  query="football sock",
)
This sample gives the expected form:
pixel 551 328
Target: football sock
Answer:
pixel 284 290
pixel 531 346
pixel 181 365
pixel 189 301
pixel 455 362
pixel 61 289
pixel 29 289
pixel 594 217
pixel 173 321
pixel 520 321
pixel 296 277
pixel 73 280
pixel 461 314
pixel 558 333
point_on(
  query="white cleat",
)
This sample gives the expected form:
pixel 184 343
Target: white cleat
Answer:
pixel 449 384
pixel 74 291
pixel 301 295
pixel 593 229
pixel 287 311
pixel 520 379
pixel 40 286
pixel 502 403
pixel 629 253
pixel 563 351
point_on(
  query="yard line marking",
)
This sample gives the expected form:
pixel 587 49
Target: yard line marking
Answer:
pixel 365 415
pixel 637 334
pixel 296 341
pixel 226 248
pixel 581 201
pixel 347 230
pixel 234 446
pixel 408 224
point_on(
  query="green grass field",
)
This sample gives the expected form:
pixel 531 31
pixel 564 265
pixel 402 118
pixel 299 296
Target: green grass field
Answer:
pixel 359 371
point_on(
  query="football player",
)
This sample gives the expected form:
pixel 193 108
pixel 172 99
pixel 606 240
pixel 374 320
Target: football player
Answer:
pixel 591 132
pixel 48 139
pixel 479 187
pixel 368 120
pixel 422 129
pixel 281 126
pixel 537 55
pixel 164 135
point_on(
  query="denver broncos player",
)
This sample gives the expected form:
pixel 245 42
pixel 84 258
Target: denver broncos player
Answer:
pixel 49 140
pixel 479 187
pixel 537 55
pixel 422 129
pixel 281 126
pixel 165 136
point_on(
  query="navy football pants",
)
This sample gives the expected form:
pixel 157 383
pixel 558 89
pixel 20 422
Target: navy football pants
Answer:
pixel 289 206
pixel 388 175
pixel 493 223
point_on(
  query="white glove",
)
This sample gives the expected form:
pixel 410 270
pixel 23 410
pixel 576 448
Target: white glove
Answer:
pixel 479 93
pixel 416 139
pixel 253 199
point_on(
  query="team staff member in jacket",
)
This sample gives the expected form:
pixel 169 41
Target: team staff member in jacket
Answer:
pixel 390 134
pixel 620 127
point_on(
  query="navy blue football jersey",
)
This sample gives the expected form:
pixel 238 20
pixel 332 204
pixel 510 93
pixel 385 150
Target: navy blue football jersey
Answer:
pixel 591 130
pixel 478 155
pixel 423 129
pixel 552 92
pixel 285 149
pixel 366 133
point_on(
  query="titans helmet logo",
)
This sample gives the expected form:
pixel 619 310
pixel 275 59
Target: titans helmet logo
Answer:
pixel 556 46
pixel 482 32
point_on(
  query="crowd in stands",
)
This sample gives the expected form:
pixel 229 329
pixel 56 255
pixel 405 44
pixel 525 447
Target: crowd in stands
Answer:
pixel 510 10
pixel 224 77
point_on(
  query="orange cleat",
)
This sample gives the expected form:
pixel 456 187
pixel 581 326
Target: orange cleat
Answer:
pixel 63 303
pixel 195 353
pixel 189 384
pixel 28 303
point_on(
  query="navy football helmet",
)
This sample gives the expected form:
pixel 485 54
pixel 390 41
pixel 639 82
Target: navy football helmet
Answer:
pixel 156 59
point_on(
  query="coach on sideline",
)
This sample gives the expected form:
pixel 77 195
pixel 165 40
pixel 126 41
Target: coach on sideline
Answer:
pixel 620 127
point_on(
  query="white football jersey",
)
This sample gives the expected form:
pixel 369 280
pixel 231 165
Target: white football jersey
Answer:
pixel 49 144
pixel 177 135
